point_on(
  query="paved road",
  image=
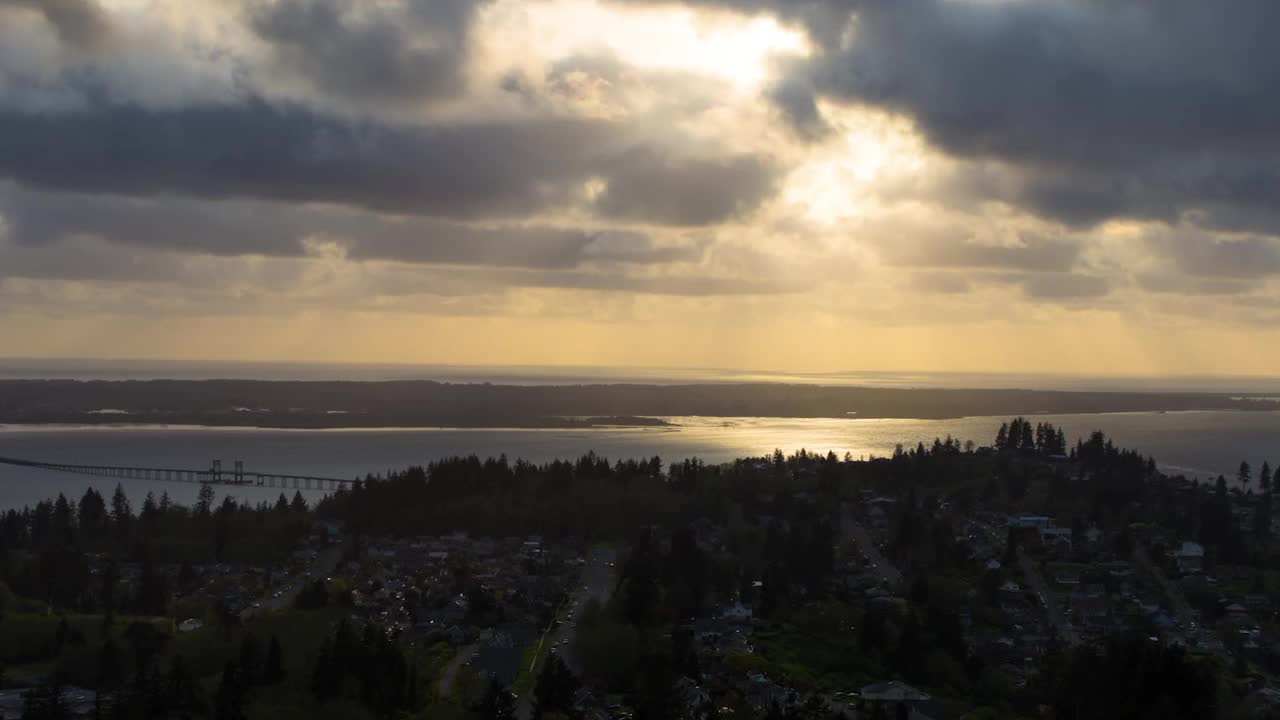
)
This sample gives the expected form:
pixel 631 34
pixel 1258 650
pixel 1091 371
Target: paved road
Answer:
pixel 598 579
pixel 323 566
pixel 855 532
pixel 1171 591
pixel 445 684
pixel 1066 631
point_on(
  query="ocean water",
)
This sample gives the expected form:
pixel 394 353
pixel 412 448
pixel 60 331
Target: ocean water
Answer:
pixel 1200 444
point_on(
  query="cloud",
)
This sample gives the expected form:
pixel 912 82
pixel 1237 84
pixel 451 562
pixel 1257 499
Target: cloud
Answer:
pixel 936 251
pixel 1064 286
pixel 1095 110
pixel 946 283
pixel 1164 283
pixel 409 51
pixel 80 24
pixel 230 228
pixel 799 105
pixel 666 188
pixel 1198 255
pixel 485 168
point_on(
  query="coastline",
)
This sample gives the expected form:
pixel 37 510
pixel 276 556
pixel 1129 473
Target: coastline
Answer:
pixel 652 423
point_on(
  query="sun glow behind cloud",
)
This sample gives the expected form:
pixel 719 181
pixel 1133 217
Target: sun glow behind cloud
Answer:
pixel 731 48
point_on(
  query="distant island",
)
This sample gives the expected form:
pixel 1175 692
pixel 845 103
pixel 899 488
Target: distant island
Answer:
pixel 282 404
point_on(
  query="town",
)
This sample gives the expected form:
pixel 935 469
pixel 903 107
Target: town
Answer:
pixel 1025 578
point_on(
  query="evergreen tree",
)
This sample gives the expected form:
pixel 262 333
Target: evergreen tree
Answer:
pixel 110 674
pixel 497 703
pixel 1244 475
pixel 250 658
pixel 555 687
pixel 182 691
pixel 228 703
pixel 121 515
pixel 273 668
pixel 204 500
pixel 92 512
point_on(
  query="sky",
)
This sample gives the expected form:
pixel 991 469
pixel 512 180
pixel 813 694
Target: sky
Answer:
pixel 1056 186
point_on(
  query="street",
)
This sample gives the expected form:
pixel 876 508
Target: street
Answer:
pixel 1066 631
pixel 323 566
pixel 598 578
pixel 881 565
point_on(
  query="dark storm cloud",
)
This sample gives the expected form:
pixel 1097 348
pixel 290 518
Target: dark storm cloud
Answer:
pixel 940 252
pixel 79 23
pixel 296 155
pixel 1116 108
pixel 38 220
pixel 407 51
pixel 484 169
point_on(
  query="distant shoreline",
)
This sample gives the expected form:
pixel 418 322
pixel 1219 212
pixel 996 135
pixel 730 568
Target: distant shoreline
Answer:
pixel 642 424
pixel 426 404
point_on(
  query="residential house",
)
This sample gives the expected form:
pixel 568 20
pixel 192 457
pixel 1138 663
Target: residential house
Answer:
pixel 1190 558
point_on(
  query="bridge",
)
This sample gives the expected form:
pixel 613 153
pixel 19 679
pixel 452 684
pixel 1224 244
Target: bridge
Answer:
pixel 214 475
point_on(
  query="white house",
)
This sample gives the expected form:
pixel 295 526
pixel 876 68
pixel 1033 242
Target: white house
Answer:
pixel 1190 557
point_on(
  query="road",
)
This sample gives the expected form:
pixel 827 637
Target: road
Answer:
pixel 323 566
pixel 855 532
pixel 599 576
pixel 445 684
pixel 1066 631
pixel 1181 607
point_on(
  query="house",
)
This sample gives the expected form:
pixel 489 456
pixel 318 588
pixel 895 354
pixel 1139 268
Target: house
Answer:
pixel 499 657
pixel 1059 546
pixel 1067 577
pixel 1036 522
pixel 1190 558
pixel 879 518
pixel 1090 608
pixel 893 696
pixel 737 612
pixel 692 697
pixel 893 691
pixel 1010 592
